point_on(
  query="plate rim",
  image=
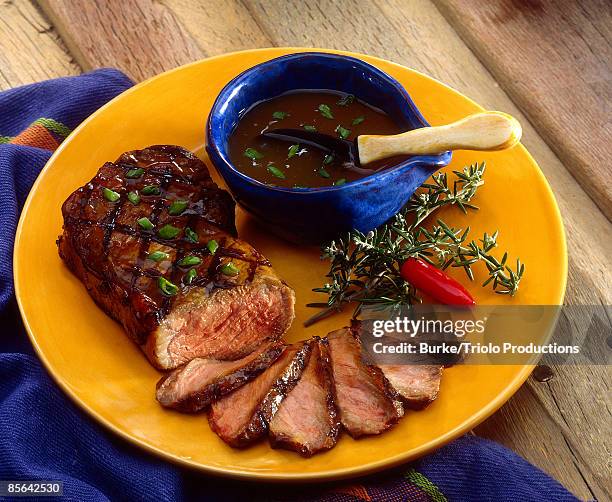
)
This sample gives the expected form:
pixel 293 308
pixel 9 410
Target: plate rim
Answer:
pixel 236 472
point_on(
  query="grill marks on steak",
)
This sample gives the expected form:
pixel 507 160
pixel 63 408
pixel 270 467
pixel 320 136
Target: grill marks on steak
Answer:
pixel 366 401
pixel 195 385
pixel 416 385
pixel 214 316
pixel 243 416
pixel 307 420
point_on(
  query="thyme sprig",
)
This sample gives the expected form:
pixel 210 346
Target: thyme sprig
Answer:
pixel 365 268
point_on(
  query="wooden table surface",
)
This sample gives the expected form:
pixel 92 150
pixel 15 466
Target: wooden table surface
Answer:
pixel 546 62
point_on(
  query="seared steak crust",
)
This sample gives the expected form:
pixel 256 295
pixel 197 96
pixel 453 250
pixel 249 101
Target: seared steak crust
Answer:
pixel 307 420
pixel 192 387
pixel 129 229
pixel 366 401
pixel 242 417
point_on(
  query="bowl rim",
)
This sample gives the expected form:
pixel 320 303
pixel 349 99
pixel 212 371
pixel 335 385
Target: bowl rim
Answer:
pixel 217 157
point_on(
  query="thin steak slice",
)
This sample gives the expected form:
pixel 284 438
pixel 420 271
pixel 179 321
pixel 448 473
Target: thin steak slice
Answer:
pixel 366 401
pixel 417 385
pixel 307 420
pixel 242 417
pixel 195 385
pixel 153 239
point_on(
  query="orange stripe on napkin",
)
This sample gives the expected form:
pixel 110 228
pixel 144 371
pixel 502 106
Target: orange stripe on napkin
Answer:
pixel 37 136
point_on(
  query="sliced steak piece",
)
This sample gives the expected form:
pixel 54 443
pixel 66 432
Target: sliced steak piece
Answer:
pixel 195 385
pixel 307 420
pixel 153 239
pixel 366 401
pixel 417 385
pixel 242 417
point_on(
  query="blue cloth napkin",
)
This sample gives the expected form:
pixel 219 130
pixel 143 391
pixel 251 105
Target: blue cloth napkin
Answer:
pixel 43 436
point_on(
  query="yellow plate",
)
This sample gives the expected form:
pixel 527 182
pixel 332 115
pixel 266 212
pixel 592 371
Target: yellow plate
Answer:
pixel 97 366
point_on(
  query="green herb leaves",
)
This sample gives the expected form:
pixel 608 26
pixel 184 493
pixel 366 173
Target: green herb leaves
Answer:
pixel 323 172
pixel 342 131
pixel 134 198
pixel 346 100
pixel 110 195
pixel 358 120
pixel 310 128
pixel 189 261
pixel 145 223
pixel 253 154
pixel 325 110
pixel 212 246
pixel 340 182
pixel 167 287
pixel 275 171
pixel 134 173
pixel 293 150
pixel 191 236
pixel 168 232
pixel 230 269
pixel 158 256
pixel 151 190
pixel 177 207
pixel 279 115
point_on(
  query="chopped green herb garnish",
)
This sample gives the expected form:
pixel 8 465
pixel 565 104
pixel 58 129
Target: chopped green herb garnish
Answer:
pixel 167 287
pixel 133 197
pixel 293 149
pixel 310 128
pixel 145 223
pixel 328 159
pixel 358 120
pixel 275 171
pixel 158 256
pixel 346 100
pixel 168 232
pixel 340 182
pixel 134 173
pixel 191 235
pixel 177 207
pixel 343 132
pixel 190 276
pixel 323 173
pixel 110 195
pixel 326 111
pixel 279 115
pixel 190 261
pixel 230 269
pixel 212 246
pixel 253 154
pixel 151 190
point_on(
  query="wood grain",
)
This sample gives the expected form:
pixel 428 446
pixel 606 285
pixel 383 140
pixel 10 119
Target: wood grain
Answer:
pixel 553 59
pixel 30 49
pixel 140 37
pixel 556 425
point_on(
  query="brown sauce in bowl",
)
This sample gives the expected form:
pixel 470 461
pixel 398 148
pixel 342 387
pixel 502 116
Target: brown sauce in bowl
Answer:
pixel 283 164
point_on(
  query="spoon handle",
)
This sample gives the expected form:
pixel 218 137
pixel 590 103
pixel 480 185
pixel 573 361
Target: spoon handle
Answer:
pixel 481 131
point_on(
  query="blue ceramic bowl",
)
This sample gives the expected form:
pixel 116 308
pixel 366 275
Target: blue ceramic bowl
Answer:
pixel 316 215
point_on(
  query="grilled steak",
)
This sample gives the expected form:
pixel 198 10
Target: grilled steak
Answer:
pixel 307 420
pixel 195 385
pixel 366 401
pixel 417 385
pixel 153 239
pixel 243 416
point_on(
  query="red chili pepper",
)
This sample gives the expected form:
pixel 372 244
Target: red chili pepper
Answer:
pixel 435 283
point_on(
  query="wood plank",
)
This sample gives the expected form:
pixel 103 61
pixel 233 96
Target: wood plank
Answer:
pixel 140 37
pixel 238 31
pixel 553 59
pixel 30 49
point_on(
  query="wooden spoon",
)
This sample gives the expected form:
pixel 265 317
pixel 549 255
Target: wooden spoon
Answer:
pixel 480 131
